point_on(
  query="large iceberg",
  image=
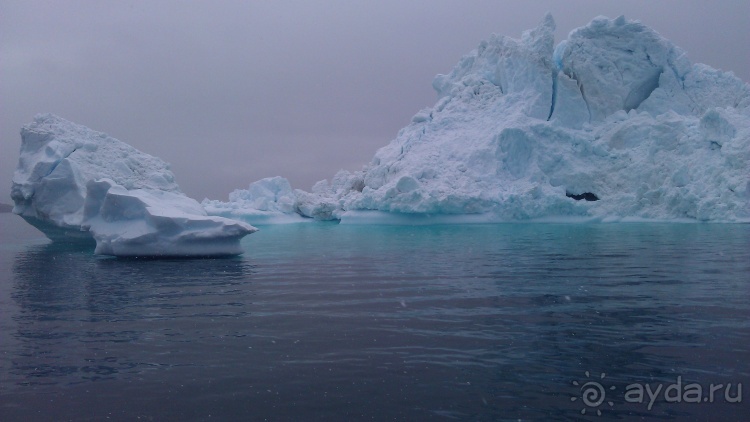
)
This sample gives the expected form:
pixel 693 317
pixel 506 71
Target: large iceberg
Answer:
pixel 612 124
pixel 73 183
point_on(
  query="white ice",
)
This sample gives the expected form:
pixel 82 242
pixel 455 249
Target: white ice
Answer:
pixel 75 183
pixel 267 201
pixel 612 124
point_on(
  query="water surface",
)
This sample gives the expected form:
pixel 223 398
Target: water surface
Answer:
pixel 335 322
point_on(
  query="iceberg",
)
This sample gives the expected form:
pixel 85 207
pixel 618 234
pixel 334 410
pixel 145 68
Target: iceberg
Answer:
pixel 267 201
pixel 73 183
pixel 612 124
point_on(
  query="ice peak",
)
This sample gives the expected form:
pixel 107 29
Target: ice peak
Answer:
pixel 507 66
pixel 541 38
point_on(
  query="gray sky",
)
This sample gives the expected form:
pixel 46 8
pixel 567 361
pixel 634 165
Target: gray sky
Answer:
pixel 231 92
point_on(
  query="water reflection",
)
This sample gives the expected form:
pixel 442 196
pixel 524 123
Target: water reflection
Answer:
pixel 82 317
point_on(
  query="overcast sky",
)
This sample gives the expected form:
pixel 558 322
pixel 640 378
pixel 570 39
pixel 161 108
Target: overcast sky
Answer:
pixel 231 92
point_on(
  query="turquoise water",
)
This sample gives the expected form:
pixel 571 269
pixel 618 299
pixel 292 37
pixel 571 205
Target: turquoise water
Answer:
pixel 336 322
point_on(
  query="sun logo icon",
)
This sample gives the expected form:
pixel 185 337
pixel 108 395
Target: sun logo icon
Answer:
pixel 593 394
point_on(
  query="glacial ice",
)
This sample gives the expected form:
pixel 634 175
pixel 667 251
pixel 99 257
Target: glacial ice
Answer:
pixel 74 183
pixel 612 124
pixel 267 201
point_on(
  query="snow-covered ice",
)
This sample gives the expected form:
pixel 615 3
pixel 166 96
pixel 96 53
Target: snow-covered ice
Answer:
pixel 612 124
pixel 75 183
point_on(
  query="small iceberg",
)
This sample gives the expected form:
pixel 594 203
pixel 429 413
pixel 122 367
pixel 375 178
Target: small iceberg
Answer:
pixel 76 184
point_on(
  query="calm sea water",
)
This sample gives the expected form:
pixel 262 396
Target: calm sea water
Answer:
pixel 334 322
